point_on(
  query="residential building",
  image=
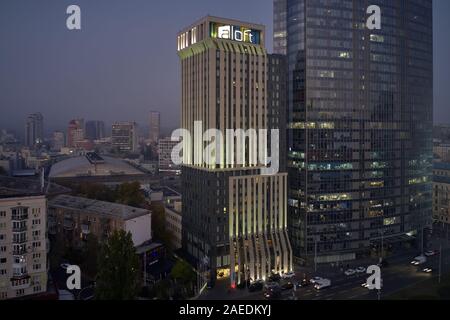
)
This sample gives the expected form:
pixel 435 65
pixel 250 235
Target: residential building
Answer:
pixel 23 243
pixel 441 192
pixel 74 218
pixel 173 218
pixel 360 125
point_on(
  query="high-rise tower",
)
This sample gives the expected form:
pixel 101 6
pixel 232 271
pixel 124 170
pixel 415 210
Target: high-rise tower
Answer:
pixel 234 217
pixel 360 124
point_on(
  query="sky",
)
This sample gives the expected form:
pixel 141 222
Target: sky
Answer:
pixel 123 63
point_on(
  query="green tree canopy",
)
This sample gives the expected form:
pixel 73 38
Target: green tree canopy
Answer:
pixel 118 268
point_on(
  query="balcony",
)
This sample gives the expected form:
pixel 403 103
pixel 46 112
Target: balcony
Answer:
pixel 69 224
pixel 20 282
pixel 19 229
pixel 19 217
pixel 20 240
pixel 20 251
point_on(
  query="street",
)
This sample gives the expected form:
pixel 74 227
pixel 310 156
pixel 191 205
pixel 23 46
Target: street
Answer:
pixel 400 274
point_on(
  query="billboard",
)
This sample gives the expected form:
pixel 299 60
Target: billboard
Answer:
pixel 235 33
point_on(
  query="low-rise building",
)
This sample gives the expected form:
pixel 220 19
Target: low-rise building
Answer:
pixel 173 218
pixel 74 218
pixel 441 192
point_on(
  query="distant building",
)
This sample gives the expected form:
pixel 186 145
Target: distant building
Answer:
pixel 75 132
pixel 58 140
pixel 441 152
pixel 91 165
pixel 95 130
pixel 23 244
pixel 165 147
pixel 34 129
pixel 441 192
pixel 75 218
pixel 124 136
pixel 155 123
pixel 174 219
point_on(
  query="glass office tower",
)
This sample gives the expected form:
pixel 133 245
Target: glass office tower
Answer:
pixel 360 125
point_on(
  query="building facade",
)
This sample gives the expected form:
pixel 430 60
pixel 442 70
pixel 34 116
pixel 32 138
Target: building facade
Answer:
pixel 95 130
pixel 229 209
pixel 174 224
pixel 23 246
pixel 58 140
pixel 154 126
pixel 75 133
pixel 34 129
pixel 360 124
pixel 72 219
pixel 441 192
pixel 165 147
pixel 124 136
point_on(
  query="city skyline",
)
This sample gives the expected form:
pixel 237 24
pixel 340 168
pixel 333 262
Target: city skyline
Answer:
pixel 131 76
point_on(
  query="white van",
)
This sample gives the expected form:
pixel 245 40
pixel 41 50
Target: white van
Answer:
pixel 324 283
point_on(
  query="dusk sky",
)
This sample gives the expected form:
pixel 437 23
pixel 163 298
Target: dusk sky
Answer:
pixel 123 63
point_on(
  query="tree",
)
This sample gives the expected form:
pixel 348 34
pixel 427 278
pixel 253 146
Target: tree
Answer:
pixel 159 225
pixel 130 194
pixel 90 255
pixel 183 274
pixel 118 268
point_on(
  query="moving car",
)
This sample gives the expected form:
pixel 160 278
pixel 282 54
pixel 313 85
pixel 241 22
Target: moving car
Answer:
pixel 325 283
pixel 360 270
pixel 427 270
pixel 349 272
pixel 65 265
pixel 315 280
pixel 431 253
pixel 419 260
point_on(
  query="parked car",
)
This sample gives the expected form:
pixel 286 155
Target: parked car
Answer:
pixel 271 285
pixel 256 286
pixel 287 285
pixel 350 272
pixel 273 294
pixel 288 275
pixel 274 277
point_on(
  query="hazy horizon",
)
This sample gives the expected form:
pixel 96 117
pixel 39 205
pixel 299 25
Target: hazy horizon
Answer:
pixel 123 63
